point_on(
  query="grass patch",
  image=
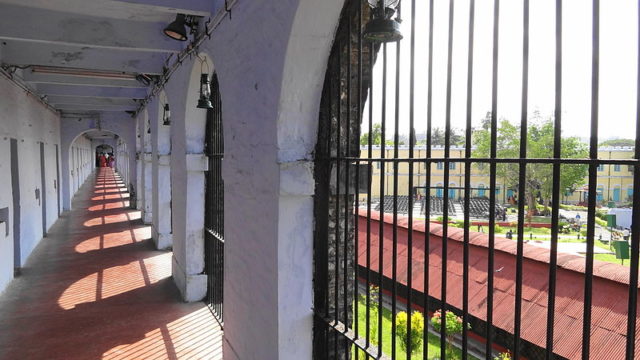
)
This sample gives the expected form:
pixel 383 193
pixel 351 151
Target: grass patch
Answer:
pixel 611 258
pixel 433 340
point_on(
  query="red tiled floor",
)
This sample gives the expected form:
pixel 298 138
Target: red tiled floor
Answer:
pixel 95 288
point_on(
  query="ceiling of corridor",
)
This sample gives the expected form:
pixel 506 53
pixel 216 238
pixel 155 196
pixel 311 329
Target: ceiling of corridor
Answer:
pixel 89 56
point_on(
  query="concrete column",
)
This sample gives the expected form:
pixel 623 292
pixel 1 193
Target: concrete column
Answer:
pixel 148 189
pixel 162 235
pixel 139 181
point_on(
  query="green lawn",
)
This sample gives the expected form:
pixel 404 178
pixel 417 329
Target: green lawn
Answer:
pixel 611 258
pixel 434 341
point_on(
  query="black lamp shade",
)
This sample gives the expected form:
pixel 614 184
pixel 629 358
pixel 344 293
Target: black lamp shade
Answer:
pixel 205 93
pixel 176 30
pixel 382 30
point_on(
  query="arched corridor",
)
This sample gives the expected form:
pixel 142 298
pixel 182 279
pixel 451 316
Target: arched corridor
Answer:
pixel 99 284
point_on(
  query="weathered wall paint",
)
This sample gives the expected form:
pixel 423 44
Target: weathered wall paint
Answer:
pixel 27 120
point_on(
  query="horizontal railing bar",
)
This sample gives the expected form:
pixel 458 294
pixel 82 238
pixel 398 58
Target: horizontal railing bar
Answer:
pixel 576 161
pixel 215 235
pixel 345 331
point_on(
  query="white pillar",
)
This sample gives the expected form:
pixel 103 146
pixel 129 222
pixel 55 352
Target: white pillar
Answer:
pixel 148 189
pixel 162 211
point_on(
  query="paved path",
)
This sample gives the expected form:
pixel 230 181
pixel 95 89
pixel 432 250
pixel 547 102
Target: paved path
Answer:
pixel 95 288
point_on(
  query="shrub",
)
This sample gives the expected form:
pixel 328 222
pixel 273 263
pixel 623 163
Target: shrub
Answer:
pixel 374 294
pixel 453 323
pixel 453 326
pixel 417 326
pixel 497 228
pixel 503 356
pixel 601 222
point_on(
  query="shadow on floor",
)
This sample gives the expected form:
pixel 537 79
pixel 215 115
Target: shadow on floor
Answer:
pixel 102 292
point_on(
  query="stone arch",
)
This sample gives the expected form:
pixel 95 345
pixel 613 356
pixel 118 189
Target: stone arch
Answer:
pixel 73 127
pixel 188 163
pixel 268 167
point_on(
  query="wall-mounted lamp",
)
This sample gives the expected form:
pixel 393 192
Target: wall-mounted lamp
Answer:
pixel 166 115
pixel 177 30
pixel 382 28
pixel 205 93
pixel 204 102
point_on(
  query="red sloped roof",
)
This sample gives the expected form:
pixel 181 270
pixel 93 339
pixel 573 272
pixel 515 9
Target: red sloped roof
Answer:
pixel 610 284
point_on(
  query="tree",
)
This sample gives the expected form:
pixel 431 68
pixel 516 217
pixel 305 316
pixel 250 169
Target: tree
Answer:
pixel 377 136
pixel 618 142
pixel 539 179
pixel 437 137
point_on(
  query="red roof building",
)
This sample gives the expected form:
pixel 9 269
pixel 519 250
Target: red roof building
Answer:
pixel 610 284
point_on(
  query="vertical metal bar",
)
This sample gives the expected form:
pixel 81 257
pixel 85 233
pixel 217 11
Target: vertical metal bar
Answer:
pixel 357 180
pixel 632 311
pixel 593 180
pixel 467 185
pixel 427 205
pixel 555 197
pixel 337 196
pixel 410 184
pixel 522 174
pixel 396 140
pixel 492 177
pixel 382 178
pixel 445 206
pixel 370 175
pixel 347 184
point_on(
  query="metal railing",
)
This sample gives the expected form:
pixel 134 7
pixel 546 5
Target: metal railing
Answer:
pixel 351 242
pixel 214 205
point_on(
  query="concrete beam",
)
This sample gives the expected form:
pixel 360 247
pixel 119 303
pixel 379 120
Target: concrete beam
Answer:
pixel 62 28
pixel 86 100
pixel 29 53
pixel 190 7
pixel 92 91
pixel 59 79
pixel 143 10
pixel 78 107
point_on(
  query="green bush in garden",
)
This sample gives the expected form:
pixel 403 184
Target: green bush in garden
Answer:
pixel 452 326
pixel 503 356
pixel 417 326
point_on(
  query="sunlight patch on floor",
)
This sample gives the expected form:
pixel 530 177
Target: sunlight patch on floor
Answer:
pixel 193 336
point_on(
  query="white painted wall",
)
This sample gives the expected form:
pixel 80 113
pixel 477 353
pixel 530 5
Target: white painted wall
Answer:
pixel 31 123
pixel 81 162
pixel 6 200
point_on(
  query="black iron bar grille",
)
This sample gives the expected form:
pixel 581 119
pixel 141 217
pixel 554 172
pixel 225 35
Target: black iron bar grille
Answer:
pixel 350 242
pixel 214 205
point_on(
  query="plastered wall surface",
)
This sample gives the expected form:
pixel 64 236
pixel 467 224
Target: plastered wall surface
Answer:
pixel 31 123
pixel 6 200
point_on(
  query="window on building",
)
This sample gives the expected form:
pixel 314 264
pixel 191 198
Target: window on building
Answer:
pixel 600 167
pixel 616 167
pixel 440 165
pixel 452 166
